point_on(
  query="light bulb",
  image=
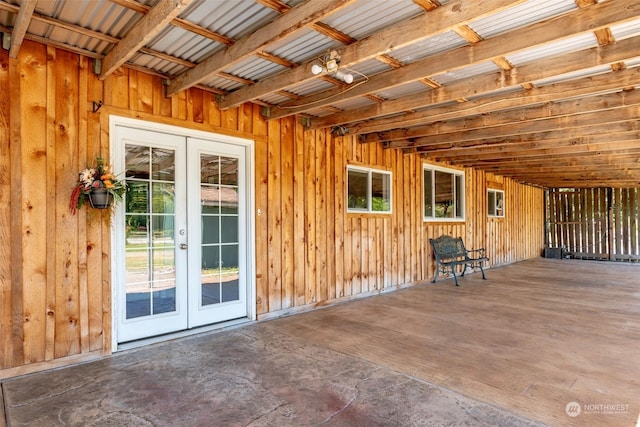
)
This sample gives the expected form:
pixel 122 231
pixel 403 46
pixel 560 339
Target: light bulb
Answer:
pixel 345 77
pixel 316 69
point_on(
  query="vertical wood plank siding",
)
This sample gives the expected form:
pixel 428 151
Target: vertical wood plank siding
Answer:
pixel 55 278
pixel 595 223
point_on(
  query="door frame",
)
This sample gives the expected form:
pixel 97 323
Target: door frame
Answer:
pixel 248 146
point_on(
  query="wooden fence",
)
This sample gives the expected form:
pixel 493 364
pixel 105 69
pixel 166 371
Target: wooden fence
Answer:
pixel 594 223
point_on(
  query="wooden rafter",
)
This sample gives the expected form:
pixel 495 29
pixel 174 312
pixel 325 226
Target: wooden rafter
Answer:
pixel 523 147
pixel 419 28
pixel 574 136
pixel 482 105
pixel 427 4
pixel 587 104
pixel 178 22
pixel 150 25
pixel 61 25
pixel 578 22
pixel 581 120
pixel 276 5
pixel 299 17
pixel 22 24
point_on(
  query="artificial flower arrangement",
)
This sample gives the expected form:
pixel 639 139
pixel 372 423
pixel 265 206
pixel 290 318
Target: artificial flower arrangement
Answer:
pixel 97 179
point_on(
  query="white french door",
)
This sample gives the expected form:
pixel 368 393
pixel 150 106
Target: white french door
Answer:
pixel 217 254
pixel 181 252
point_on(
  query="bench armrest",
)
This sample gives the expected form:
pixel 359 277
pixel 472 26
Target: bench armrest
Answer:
pixel 480 251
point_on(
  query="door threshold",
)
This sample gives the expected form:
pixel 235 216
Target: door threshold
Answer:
pixel 218 327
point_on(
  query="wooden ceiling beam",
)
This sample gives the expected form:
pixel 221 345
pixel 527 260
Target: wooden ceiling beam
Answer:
pixel 525 127
pixel 630 113
pixel 591 143
pixel 594 183
pixel 204 32
pixel 565 163
pixel 549 154
pixel 573 173
pixel 578 22
pixel 178 22
pixel 97 36
pixel 276 5
pixel 575 179
pixel 427 5
pixel 548 67
pixel 554 135
pixel 59 45
pixel 588 104
pixel 59 24
pixel 21 25
pixel 579 181
pixel 421 27
pixel 602 169
pixel 332 33
pixel 151 24
pixel 297 18
pixel 588 178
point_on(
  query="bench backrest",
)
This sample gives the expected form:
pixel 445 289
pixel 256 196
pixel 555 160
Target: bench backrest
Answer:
pixel 446 248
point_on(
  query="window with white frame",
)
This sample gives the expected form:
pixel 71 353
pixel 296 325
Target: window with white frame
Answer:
pixel 368 190
pixel 443 194
pixel 495 203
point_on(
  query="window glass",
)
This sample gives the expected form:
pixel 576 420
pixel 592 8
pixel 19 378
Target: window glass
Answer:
pixel 357 182
pixel 443 192
pixel 380 192
pixel 368 190
pixel 495 203
pixel 428 193
pixel 444 200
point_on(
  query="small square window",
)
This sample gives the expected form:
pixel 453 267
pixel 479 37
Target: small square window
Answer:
pixel 495 203
pixel 368 190
pixel 443 194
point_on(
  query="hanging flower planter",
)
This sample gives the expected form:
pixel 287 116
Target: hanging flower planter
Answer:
pixel 98 186
pixel 100 198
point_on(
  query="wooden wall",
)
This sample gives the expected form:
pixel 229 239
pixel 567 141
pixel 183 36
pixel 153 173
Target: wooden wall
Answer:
pixel 55 290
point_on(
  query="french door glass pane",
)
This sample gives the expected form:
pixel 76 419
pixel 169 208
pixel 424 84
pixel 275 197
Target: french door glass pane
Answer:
pixel 219 221
pixel 150 222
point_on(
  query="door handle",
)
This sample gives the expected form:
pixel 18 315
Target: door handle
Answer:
pixel 183 246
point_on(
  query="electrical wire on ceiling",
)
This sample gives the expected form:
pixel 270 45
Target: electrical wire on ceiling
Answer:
pixel 345 90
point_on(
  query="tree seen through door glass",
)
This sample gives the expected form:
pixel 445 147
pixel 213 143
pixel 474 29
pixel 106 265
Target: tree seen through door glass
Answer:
pixel 150 280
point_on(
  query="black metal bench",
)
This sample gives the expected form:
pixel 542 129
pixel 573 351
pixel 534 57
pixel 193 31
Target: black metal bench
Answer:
pixel 450 253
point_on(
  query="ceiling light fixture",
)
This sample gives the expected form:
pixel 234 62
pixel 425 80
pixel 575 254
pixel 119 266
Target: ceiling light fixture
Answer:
pixel 329 64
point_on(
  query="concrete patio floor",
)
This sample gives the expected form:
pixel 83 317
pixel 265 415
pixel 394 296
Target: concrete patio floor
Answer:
pixel 534 343
pixel 253 375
